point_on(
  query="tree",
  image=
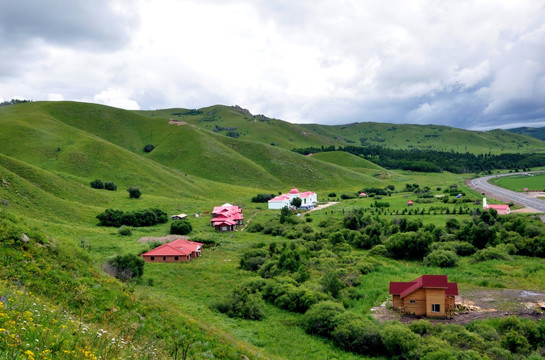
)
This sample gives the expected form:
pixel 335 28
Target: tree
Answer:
pixel 181 227
pixel 296 202
pixel 109 185
pixel 125 267
pixel 97 184
pixel 134 192
pixel 148 148
pixel 285 214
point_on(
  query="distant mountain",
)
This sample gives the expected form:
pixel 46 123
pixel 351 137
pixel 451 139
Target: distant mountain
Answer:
pixel 538 133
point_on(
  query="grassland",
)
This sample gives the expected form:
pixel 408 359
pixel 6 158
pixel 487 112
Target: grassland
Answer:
pixel 520 182
pixel 50 152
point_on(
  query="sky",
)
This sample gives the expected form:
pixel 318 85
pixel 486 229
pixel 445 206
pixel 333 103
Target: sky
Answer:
pixel 472 64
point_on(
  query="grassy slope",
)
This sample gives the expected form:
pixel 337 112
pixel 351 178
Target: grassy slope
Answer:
pixel 401 136
pixel 538 133
pixel 436 137
pixel 518 183
pixel 347 160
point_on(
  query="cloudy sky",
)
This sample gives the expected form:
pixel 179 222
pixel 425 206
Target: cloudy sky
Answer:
pixel 474 64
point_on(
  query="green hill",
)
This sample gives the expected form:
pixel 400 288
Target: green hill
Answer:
pixel 238 122
pixel 538 133
pixel 434 137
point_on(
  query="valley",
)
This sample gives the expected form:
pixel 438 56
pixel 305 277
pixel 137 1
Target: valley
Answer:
pixel 294 286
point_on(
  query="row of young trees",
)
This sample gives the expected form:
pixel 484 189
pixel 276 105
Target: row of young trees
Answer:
pixel 139 218
pixel 434 160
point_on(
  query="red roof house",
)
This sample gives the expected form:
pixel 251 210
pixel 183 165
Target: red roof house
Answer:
pixel 410 203
pixel 429 295
pixel 226 217
pixel 174 251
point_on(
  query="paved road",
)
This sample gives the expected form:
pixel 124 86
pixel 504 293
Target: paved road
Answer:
pixel 516 197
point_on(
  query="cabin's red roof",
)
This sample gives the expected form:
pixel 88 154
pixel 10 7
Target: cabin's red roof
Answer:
pixel 410 202
pixel 217 222
pixel 425 281
pixel 294 191
pixel 306 194
pixel 175 248
pixel 363 194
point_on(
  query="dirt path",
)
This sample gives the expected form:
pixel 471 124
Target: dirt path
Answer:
pixel 323 206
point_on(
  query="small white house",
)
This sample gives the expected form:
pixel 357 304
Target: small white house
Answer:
pixel 308 199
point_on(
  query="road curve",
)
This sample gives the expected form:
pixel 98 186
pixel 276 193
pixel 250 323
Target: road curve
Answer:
pixel 516 197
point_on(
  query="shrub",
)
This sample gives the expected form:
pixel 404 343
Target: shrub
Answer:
pixel 125 267
pixel 399 340
pixel 378 250
pixel 181 227
pixel 253 259
pixel 124 231
pixel 321 318
pixel 500 252
pixel 148 148
pixel 111 217
pixel 109 185
pixel 243 303
pixel 97 184
pixel 134 192
pixel 410 245
pixel 441 258
pixel 332 195
pixel 262 198
pixel 255 227
pixel 357 335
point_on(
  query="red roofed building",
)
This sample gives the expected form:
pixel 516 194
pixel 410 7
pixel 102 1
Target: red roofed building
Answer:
pixel 429 295
pixel 226 217
pixel 501 209
pixel 174 251
pixel 410 203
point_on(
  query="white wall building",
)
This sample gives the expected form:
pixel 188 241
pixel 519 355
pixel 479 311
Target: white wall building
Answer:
pixel 308 199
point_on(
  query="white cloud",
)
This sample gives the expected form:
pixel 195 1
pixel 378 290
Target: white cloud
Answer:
pixel 450 62
pixel 55 97
pixel 116 98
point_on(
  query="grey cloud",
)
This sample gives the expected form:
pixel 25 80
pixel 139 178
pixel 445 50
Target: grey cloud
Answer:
pixel 98 25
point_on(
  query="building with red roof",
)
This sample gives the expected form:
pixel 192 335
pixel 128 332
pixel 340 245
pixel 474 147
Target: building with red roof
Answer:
pixel 410 203
pixel 429 295
pixel 174 251
pixel 308 199
pixel 227 217
pixel 501 209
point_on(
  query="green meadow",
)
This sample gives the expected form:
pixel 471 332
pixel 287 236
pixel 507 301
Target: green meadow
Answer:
pixel 53 253
pixel 520 182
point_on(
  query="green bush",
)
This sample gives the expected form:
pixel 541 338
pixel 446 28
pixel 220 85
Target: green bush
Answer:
pixel 253 259
pixel 124 231
pixel 125 267
pixel 180 227
pixel 358 335
pixel 321 318
pixel 255 227
pixel 109 185
pixel 441 258
pixel 134 192
pixel 148 148
pixel 97 184
pixel 147 217
pixel 262 198
pixel 243 303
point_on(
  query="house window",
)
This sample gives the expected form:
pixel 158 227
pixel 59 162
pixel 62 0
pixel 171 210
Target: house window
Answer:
pixel 152 258
pixel 412 301
pixel 164 258
pixel 175 258
pixel 435 308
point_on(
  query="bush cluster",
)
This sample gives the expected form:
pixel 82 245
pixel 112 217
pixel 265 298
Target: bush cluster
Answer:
pixel 262 198
pixel 108 185
pixel 147 217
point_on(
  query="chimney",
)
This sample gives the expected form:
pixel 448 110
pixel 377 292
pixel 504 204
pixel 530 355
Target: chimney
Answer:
pixel 485 206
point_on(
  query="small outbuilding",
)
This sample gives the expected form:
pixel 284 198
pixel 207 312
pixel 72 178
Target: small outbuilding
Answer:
pixel 363 194
pixel 178 217
pixel 410 203
pixel 501 209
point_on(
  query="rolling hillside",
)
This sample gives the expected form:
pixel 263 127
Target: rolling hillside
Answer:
pixel 538 133
pixel 238 122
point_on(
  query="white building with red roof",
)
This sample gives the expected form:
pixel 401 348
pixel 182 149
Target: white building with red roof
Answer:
pixel 174 251
pixel 501 209
pixel 308 199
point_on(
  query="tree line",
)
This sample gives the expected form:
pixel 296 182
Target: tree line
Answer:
pixel 434 160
